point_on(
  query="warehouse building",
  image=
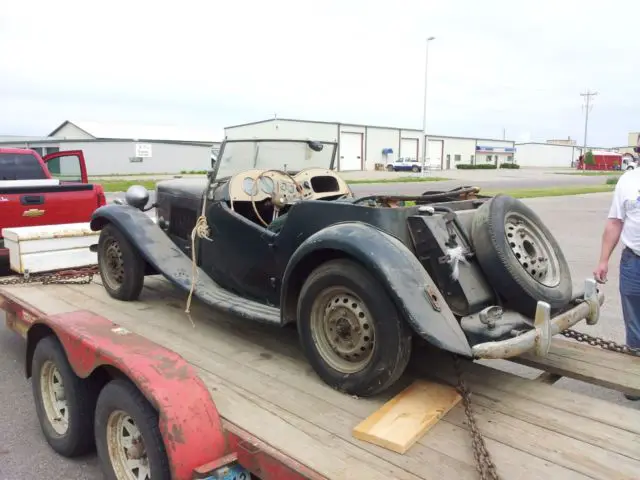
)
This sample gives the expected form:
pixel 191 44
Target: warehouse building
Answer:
pixel 366 147
pixel 546 155
pixel 120 149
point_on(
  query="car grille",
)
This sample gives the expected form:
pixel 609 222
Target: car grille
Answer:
pixel 181 222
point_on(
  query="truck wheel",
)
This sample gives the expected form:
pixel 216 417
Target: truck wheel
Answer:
pixel 415 169
pixel 121 266
pixel 350 330
pixel 519 255
pixel 390 168
pixel 128 437
pixel 64 402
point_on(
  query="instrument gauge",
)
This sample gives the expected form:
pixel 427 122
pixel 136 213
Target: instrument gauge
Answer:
pixel 248 185
pixel 266 184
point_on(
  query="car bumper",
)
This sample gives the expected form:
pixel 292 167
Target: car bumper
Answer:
pixel 538 339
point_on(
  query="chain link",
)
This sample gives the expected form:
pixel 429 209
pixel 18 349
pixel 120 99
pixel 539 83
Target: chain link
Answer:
pixel 484 464
pixel 601 342
pixel 80 276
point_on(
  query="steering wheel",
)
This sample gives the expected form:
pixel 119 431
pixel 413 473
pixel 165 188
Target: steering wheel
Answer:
pixel 277 201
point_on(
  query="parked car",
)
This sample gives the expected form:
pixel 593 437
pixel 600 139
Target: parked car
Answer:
pixel 50 190
pixel 404 164
pixel 360 277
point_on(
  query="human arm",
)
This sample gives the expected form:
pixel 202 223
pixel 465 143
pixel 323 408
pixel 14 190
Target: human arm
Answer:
pixel 611 234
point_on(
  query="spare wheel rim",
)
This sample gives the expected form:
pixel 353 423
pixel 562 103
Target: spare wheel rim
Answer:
pixel 126 447
pixel 532 249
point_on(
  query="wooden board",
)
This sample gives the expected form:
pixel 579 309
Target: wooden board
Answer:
pixel 589 364
pixel 260 380
pixel 400 422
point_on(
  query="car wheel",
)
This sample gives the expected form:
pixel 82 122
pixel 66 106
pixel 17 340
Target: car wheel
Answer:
pixel 519 255
pixel 415 169
pixel 390 168
pixel 128 436
pixel 121 267
pixel 64 402
pixel 630 167
pixel 350 330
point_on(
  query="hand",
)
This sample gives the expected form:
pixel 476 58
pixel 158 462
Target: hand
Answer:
pixel 600 273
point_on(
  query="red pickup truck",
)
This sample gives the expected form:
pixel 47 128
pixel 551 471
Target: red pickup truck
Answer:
pixel 44 191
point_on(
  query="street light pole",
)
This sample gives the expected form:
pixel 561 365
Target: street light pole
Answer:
pixel 425 147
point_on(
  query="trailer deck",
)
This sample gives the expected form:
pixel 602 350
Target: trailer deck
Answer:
pixel 261 383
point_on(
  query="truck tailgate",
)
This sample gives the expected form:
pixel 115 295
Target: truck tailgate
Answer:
pixel 24 206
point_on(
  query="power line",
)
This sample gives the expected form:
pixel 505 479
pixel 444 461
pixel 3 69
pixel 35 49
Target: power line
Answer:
pixel 587 108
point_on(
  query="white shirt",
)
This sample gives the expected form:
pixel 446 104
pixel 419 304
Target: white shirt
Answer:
pixel 626 207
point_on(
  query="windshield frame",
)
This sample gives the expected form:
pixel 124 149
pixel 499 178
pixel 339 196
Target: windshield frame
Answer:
pixel 220 155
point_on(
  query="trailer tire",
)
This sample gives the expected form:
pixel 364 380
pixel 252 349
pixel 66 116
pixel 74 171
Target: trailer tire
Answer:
pixel 122 268
pixel 520 256
pixel 369 351
pixel 121 408
pixel 52 377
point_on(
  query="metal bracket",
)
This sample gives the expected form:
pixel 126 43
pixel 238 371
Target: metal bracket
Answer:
pixel 542 325
pixel 591 297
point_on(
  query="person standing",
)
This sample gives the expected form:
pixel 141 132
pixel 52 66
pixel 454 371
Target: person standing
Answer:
pixel 623 225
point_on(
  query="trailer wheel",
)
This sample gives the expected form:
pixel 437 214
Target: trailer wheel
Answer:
pixel 128 439
pixel 350 330
pixel 520 256
pixel 121 266
pixel 64 402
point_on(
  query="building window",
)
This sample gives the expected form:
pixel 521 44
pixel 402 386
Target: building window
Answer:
pixel 457 158
pixel 510 158
pixel 488 158
pixel 50 150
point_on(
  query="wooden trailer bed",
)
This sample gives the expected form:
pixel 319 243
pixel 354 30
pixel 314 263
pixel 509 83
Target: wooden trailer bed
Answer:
pixel 260 381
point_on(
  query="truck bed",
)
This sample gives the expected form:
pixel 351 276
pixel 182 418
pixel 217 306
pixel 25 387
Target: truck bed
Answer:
pixel 261 382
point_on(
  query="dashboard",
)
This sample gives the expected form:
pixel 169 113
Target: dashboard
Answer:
pixel 310 184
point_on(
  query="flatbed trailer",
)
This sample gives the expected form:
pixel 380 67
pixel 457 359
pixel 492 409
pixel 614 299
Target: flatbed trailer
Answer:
pixel 281 421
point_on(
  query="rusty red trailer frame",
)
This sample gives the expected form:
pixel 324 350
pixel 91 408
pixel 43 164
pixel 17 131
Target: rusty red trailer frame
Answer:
pixel 196 438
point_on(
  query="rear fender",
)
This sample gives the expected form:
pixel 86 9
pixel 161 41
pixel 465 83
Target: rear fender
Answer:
pixel 394 265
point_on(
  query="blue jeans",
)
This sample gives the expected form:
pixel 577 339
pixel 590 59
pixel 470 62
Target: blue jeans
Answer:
pixel 630 295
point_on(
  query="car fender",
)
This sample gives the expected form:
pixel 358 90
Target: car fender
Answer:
pixel 405 279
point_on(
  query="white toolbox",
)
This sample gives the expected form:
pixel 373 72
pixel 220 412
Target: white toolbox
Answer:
pixel 50 247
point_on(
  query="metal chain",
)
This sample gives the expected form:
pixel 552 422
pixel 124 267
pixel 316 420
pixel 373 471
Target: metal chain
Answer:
pixel 601 342
pixel 484 464
pixel 81 276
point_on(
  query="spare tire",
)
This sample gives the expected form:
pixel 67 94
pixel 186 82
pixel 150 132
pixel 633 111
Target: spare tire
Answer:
pixel 519 255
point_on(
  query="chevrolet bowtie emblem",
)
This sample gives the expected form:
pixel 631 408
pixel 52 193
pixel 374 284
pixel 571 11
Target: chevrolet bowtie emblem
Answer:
pixel 33 212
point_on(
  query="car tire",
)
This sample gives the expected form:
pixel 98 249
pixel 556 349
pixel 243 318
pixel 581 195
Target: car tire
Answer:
pixel 121 408
pixel 369 351
pixel 520 256
pixel 415 169
pixel 390 168
pixel 66 424
pixel 122 268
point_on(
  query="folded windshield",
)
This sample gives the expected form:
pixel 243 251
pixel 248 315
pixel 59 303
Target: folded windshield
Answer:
pixel 289 155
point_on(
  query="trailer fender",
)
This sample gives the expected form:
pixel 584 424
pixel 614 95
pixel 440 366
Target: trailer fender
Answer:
pixel 189 422
pixel 409 285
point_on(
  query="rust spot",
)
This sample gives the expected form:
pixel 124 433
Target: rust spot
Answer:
pixel 432 295
pixel 170 369
pixel 177 434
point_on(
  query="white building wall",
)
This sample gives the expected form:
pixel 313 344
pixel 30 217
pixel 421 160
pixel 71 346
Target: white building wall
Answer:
pixel 275 128
pixel 114 158
pixel 457 151
pixel 545 155
pixel 377 140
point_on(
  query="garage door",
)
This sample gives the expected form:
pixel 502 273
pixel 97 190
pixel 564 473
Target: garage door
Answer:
pixel 409 148
pixel 435 154
pixel 350 151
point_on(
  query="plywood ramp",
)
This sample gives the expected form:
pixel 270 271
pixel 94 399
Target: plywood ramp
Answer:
pixel 259 380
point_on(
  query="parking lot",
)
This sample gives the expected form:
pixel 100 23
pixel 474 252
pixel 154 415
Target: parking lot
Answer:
pixel 576 222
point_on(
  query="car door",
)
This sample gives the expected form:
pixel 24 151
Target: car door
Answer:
pixel 67 166
pixel 241 255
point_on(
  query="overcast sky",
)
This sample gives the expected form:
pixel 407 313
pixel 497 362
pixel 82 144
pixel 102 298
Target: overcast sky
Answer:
pixel 494 65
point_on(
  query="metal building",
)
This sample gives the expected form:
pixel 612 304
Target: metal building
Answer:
pixel 121 149
pixel 365 147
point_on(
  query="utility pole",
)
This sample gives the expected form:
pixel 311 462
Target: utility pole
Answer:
pixel 587 108
pixel 425 147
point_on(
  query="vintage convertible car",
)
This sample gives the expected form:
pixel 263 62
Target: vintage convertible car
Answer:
pixel 275 235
